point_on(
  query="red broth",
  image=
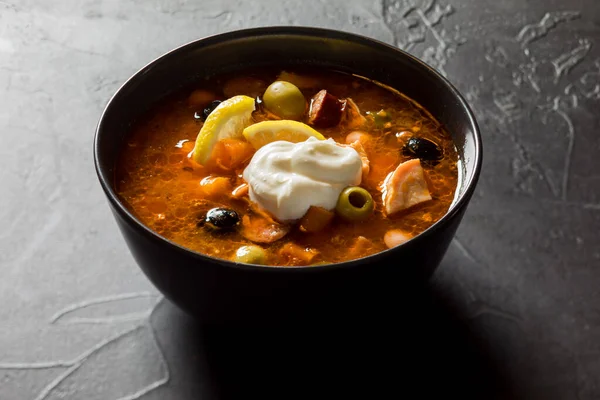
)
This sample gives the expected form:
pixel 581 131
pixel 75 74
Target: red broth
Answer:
pixel 167 191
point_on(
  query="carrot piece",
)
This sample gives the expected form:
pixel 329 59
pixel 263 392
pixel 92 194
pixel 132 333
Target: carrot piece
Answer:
pixel 240 151
pixel 186 146
pixel 298 254
pixel 229 154
pixel 315 219
pixel 215 186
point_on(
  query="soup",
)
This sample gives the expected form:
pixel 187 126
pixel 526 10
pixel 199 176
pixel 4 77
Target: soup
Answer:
pixel 286 168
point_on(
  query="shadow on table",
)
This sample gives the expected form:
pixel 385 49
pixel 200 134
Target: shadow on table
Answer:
pixel 417 344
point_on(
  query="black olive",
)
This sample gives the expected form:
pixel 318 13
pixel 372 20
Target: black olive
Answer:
pixel 210 108
pixel 424 149
pixel 221 218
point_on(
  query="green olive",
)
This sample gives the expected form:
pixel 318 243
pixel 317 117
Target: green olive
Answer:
pixel 354 204
pixel 250 255
pixel 285 100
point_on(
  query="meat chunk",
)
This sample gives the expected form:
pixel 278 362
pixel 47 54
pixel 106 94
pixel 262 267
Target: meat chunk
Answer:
pixel 259 229
pixel 351 116
pixel 325 110
pixel 366 164
pixel 405 187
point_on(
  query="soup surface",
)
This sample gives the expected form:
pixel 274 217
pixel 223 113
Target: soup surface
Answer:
pixel 161 182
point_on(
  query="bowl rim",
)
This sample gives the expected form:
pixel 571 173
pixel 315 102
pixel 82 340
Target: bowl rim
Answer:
pixel 315 32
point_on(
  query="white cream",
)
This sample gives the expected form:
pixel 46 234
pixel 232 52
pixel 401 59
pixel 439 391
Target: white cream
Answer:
pixel 287 178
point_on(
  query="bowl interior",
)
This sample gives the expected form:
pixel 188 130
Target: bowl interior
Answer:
pixel 284 47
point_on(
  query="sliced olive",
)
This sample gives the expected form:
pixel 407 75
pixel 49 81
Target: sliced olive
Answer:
pixel 250 255
pixel 221 219
pixel 355 204
pixel 424 149
pixel 285 100
pixel 210 108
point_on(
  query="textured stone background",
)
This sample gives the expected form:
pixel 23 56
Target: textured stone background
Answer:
pixel 514 311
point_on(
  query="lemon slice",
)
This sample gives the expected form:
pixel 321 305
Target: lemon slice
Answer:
pixel 226 121
pixel 266 132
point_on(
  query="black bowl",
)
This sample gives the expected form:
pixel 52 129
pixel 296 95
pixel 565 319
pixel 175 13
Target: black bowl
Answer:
pixel 216 290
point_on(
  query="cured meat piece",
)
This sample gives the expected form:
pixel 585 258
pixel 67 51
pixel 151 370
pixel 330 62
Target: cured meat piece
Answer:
pixel 325 110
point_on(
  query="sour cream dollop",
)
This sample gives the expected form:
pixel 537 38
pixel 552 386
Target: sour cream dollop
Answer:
pixel 287 178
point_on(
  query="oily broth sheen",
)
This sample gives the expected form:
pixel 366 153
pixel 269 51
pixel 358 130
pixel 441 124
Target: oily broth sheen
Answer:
pixel 160 185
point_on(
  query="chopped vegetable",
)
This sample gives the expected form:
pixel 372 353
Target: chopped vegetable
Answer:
pixel 230 154
pixel 316 219
pixel 325 110
pixel 355 204
pixel 215 186
pixel 380 118
pixel 285 100
pixel 251 254
pixel 395 237
pixel 221 219
pixel 298 254
pixel 405 187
